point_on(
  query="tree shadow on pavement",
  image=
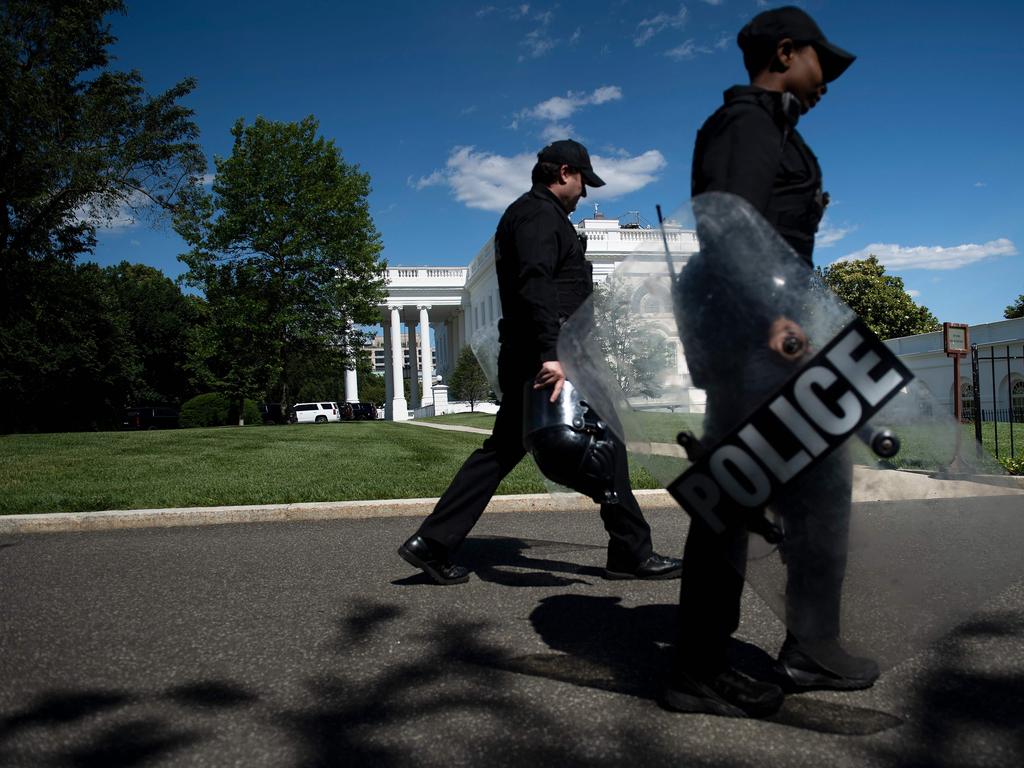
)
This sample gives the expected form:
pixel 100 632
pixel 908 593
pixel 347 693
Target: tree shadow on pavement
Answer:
pixel 117 737
pixel 967 708
pixel 603 644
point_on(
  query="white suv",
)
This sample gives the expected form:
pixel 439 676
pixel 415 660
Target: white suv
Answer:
pixel 319 413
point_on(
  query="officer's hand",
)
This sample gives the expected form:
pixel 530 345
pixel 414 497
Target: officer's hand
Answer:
pixel 788 339
pixel 550 373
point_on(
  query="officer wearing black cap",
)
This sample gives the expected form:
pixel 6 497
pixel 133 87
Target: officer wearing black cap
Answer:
pixel 750 147
pixel 543 278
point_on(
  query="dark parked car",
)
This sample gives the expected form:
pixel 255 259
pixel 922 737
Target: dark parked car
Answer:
pixel 364 411
pixel 273 413
pixel 150 417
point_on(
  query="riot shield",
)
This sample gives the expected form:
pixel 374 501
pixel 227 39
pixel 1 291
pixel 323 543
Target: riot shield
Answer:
pixel 872 517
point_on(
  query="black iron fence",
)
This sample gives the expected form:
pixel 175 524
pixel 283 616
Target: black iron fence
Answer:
pixel 999 359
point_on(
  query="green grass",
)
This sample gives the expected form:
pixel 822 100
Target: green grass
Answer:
pixel 78 472
pixel 478 420
pixel 988 437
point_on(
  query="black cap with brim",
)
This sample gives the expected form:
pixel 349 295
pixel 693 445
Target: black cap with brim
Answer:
pixel 769 27
pixel 834 60
pixel 573 154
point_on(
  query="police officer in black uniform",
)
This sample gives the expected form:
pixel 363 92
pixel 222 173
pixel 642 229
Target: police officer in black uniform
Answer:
pixel 750 147
pixel 543 278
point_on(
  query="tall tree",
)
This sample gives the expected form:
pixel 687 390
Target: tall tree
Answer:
pixel 157 317
pixel 468 381
pixel 79 146
pixel 880 300
pixel 1016 309
pixel 285 249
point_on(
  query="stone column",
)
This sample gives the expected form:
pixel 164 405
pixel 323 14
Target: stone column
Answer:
pixel 351 386
pixel 426 365
pixel 414 390
pixel 389 391
pixel 399 407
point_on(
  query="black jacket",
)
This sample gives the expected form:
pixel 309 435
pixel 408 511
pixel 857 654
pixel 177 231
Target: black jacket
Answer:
pixel 543 277
pixel 750 147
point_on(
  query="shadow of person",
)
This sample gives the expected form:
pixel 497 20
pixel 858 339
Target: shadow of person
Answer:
pixel 514 562
pixel 600 643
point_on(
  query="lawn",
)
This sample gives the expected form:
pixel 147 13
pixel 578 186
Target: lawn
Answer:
pixel 77 472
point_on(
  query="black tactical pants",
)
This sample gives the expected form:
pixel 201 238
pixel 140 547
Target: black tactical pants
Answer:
pixel 474 484
pixel 814 511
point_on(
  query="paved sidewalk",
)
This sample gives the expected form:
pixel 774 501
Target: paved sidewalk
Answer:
pixel 311 643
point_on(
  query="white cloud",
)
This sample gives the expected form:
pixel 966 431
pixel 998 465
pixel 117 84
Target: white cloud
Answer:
pixel 488 181
pixel 562 107
pixel 829 234
pixel 536 43
pixel 434 179
pixel 624 175
pixel 913 293
pixel 485 11
pixel 687 50
pixel 575 36
pixel 556 131
pixel 980 184
pixel 648 28
pixel 933 257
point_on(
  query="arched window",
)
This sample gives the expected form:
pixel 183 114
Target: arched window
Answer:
pixel 651 304
pixel 1017 399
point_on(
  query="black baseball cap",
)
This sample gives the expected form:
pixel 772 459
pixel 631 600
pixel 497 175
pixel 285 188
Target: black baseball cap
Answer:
pixel 573 154
pixel 767 28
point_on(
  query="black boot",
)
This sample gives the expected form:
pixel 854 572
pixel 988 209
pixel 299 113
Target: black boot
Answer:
pixel 823 665
pixel 729 693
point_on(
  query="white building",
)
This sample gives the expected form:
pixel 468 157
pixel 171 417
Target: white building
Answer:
pixel 455 302
pixel 449 304
pixel 999 348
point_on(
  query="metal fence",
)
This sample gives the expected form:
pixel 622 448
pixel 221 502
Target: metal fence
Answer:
pixel 999 358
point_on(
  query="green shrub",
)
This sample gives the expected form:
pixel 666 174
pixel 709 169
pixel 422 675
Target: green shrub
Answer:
pixel 215 409
pixel 1013 464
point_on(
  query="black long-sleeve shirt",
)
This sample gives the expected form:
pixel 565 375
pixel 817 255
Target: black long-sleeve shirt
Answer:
pixel 751 148
pixel 543 276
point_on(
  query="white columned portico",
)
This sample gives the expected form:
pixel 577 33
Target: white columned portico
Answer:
pixel 351 386
pixel 399 407
pixel 426 368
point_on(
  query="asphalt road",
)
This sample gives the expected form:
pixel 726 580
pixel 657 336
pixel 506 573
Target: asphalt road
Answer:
pixel 313 644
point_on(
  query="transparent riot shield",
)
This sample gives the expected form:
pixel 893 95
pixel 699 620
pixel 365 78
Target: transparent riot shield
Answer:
pixel 871 517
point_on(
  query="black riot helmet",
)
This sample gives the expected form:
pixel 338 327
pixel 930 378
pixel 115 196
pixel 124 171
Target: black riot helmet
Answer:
pixel 569 442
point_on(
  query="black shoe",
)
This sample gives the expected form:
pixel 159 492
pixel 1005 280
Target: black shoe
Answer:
pixel 654 568
pixel 417 552
pixel 823 665
pixel 729 694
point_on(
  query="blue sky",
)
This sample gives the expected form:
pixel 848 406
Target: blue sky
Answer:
pixel 446 104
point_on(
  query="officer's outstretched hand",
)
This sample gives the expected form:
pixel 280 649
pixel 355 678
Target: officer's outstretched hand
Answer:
pixel 551 373
pixel 787 338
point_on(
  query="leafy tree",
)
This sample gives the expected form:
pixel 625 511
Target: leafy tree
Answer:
pixel 877 298
pixel 157 318
pixel 1016 309
pixel 468 380
pixel 288 257
pixel 372 387
pixel 79 148
pixel 68 360
pixel 637 356
pixel 79 145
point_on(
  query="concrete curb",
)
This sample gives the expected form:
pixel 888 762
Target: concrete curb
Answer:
pixel 869 485
pixel 116 519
